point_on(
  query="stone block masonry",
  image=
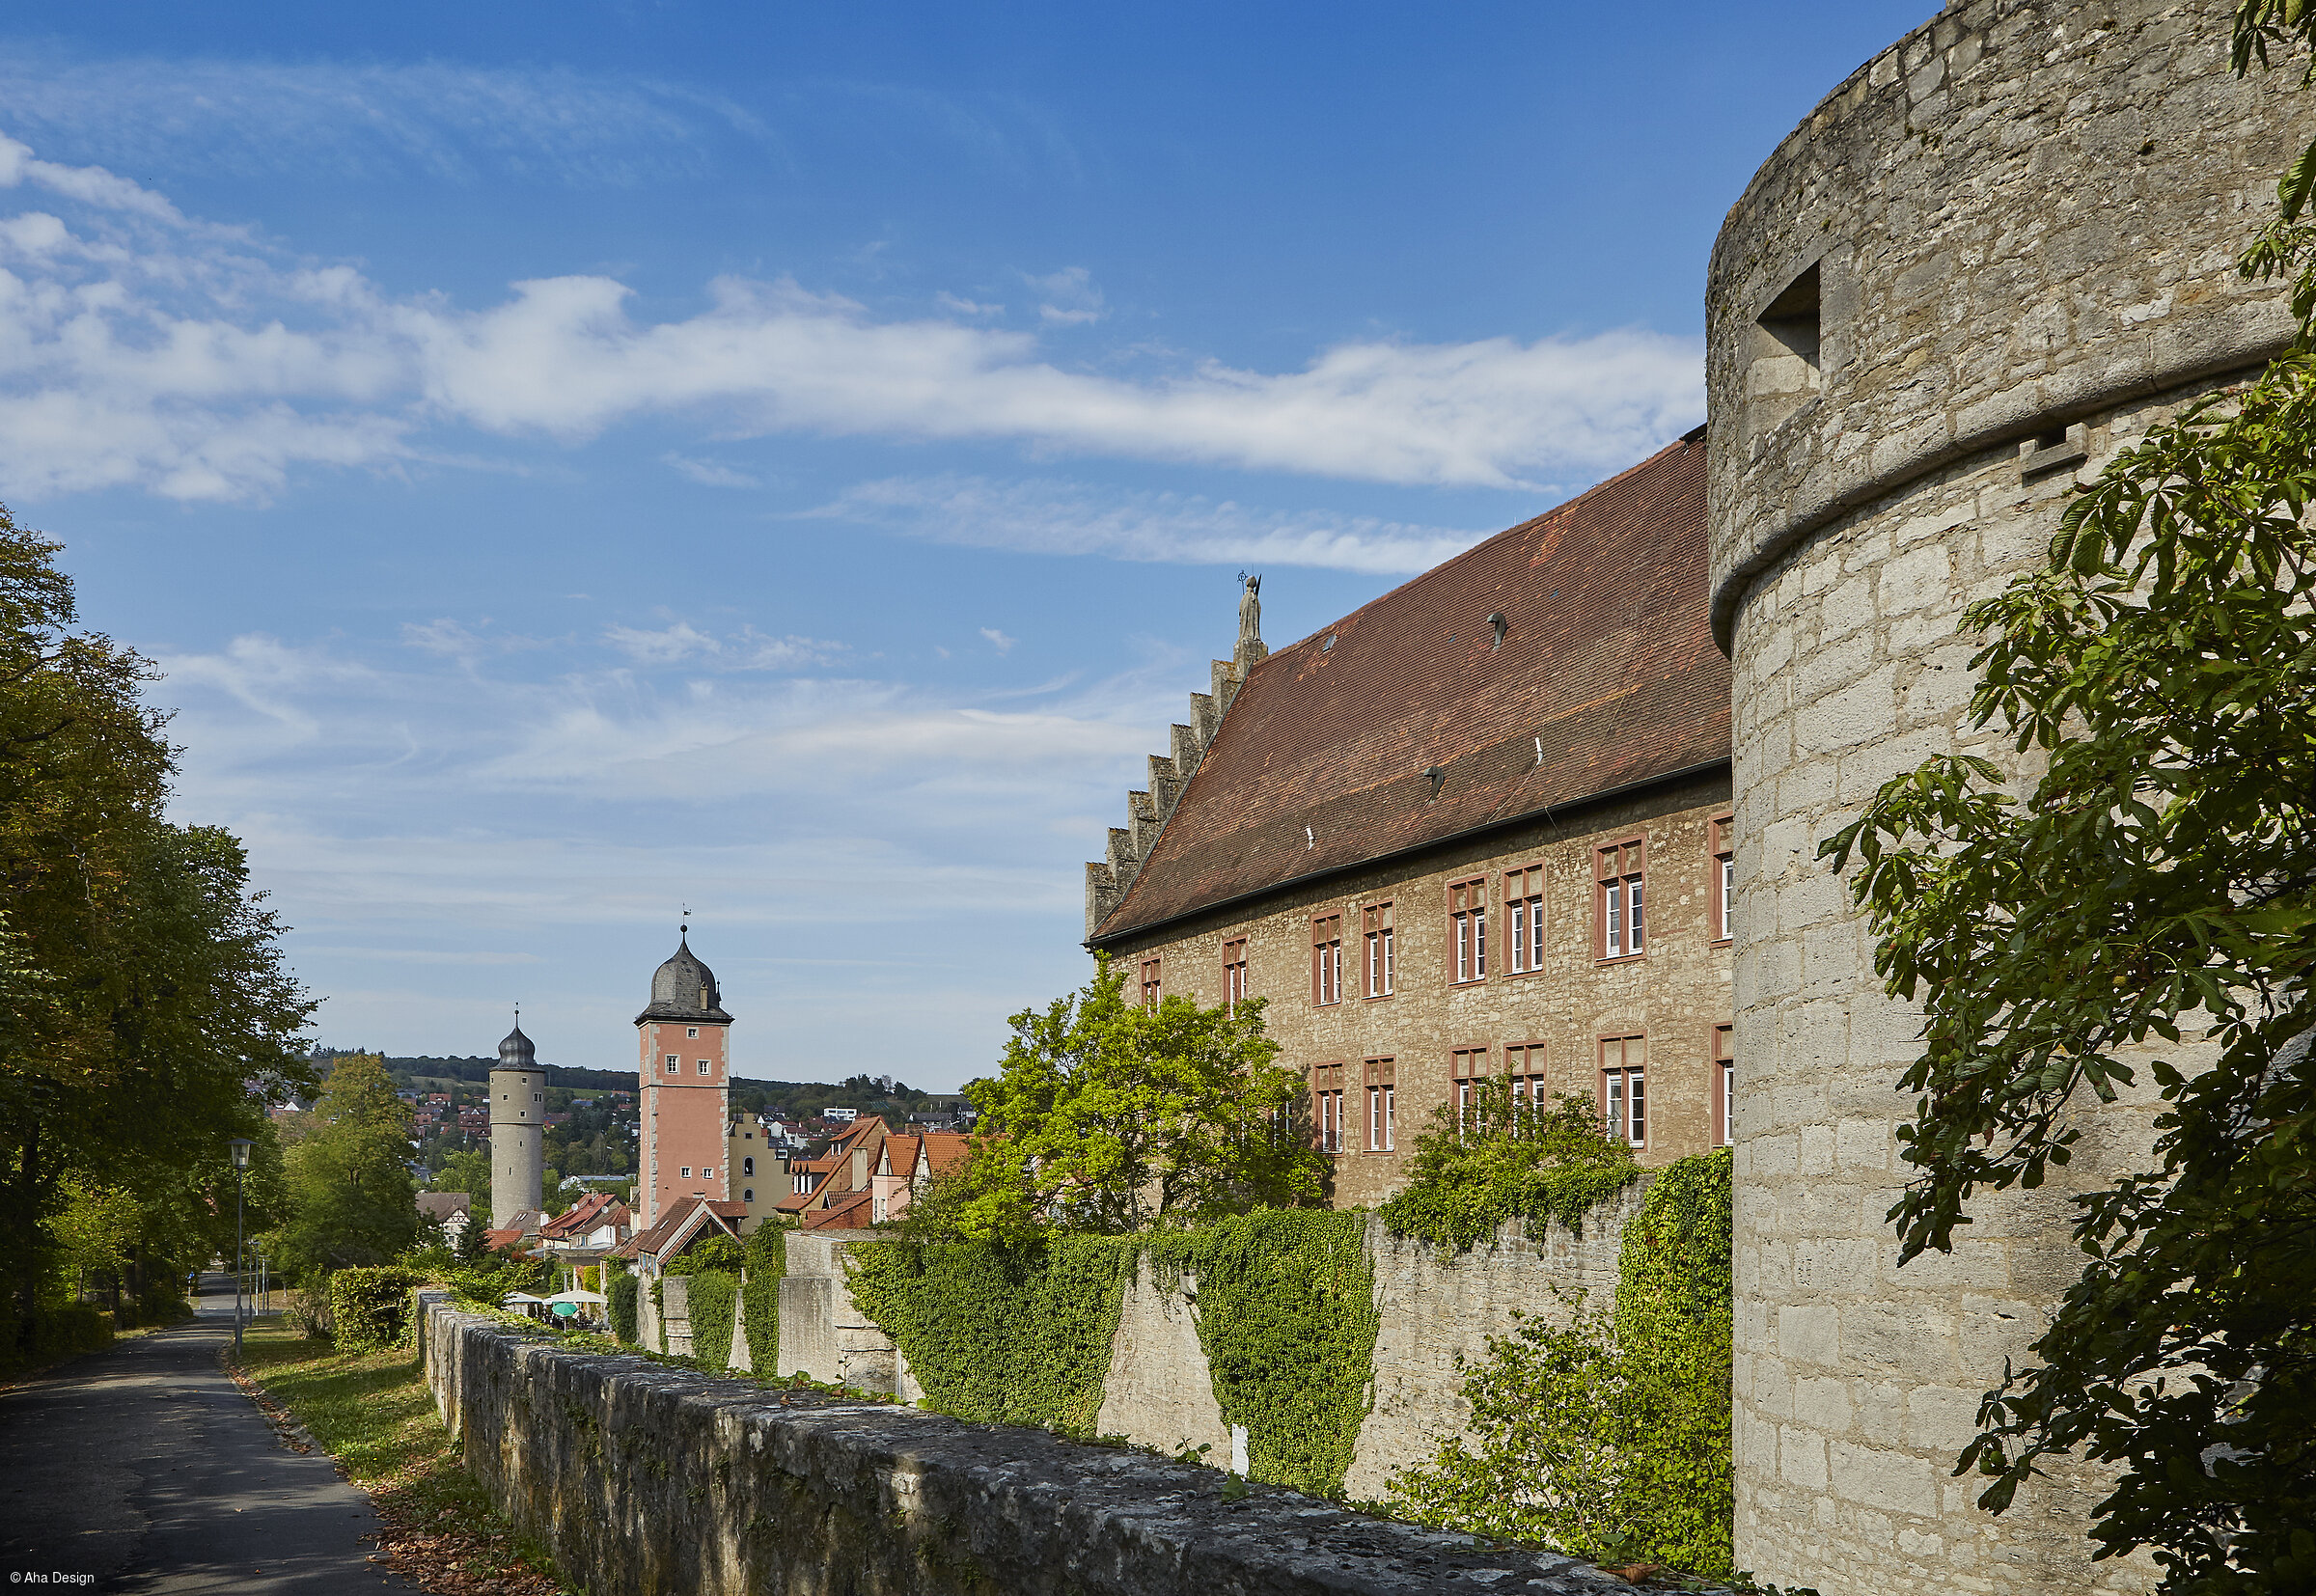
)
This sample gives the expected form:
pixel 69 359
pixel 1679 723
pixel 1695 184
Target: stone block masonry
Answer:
pixel 1988 261
pixel 638 1478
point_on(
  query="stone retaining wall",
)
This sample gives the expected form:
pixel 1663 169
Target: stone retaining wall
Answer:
pixel 1434 1305
pixel 638 1477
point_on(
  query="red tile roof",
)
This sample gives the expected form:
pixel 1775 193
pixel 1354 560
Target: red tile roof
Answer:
pixel 1608 664
pixel 853 1213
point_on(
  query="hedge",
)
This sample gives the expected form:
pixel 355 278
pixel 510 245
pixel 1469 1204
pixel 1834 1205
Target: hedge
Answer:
pixel 371 1308
pixel 61 1332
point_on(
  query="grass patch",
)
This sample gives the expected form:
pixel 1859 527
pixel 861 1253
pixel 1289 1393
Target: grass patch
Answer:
pixel 374 1414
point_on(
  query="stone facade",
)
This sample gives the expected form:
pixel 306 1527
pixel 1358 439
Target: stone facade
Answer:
pixel 1993 256
pixel 638 1477
pixel 1674 994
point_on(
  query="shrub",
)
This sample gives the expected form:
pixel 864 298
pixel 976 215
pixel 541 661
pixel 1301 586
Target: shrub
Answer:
pixel 61 1332
pixel 371 1308
pixel 1610 1437
pixel 626 1320
pixel 1499 1159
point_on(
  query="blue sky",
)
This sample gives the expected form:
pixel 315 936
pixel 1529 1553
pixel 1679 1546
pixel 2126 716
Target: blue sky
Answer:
pixel 571 462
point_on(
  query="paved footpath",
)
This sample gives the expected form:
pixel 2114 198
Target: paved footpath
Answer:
pixel 145 1469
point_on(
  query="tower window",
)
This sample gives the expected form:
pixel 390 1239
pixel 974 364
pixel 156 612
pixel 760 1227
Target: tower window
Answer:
pixel 691 1031
pixel 747 1166
pixel 704 1066
pixel 688 1171
pixel 672 1064
pixel 1785 369
pixel 748 1196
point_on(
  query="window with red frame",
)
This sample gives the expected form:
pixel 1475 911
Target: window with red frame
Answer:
pixel 1382 1107
pixel 1151 981
pixel 1725 1086
pixel 1624 1088
pixel 1524 920
pixel 1234 972
pixel 1468 927
pixel 1327 959
pixel 1524 1066
pixel 1619 870
pixel 1724 883
pixel 1327 1106
pixel 1469 1066
pixel 1375 930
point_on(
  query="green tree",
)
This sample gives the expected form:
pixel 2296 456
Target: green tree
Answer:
pixel 468 1173
pixel 1108 1116
pixel 142 995
pixel 350 1197
pixel 2154 890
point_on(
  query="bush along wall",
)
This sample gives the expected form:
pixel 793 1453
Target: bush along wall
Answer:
pixel 1609 1436
pixel 768 1254
pixel 1022 1335
pixel 627 1321
pixel 371 1308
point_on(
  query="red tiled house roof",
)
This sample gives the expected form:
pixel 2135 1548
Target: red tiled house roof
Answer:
pixel 1607 677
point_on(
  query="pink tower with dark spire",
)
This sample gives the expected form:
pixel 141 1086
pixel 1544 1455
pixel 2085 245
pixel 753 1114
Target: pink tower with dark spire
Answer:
pixel 683 1067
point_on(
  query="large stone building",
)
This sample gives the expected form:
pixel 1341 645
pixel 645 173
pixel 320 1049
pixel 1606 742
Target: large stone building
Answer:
pixel 1477 827
pixel 1997 252
pixel 683 1067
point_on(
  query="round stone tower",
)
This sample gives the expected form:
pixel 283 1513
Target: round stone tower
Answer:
pixel 1981 266
pixel 519 1111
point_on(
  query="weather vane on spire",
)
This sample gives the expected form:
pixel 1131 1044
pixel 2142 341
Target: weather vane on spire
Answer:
pixel 685 926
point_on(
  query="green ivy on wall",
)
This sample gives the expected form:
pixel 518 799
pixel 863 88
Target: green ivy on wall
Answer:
pixel 767 1255
pixel 627 1321
pixel 1286 1316
pixel 996 1333
pixel 1022 1335
pixel 1674 1320
pixel 712 1294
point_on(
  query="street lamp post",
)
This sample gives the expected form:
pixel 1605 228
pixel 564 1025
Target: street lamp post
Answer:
pixel 240 1145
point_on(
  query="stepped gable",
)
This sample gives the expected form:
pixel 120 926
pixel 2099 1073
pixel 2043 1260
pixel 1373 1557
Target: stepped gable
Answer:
pixel 1607 665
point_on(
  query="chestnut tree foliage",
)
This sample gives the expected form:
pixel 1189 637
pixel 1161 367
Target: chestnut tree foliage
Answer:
pixel 2144 916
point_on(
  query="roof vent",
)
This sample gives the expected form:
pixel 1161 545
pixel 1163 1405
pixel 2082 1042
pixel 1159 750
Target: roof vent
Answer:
pixel 1435 774
pixel 1329 644
pixel 1498 625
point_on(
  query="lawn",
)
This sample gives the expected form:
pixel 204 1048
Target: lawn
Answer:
pixel 372 1412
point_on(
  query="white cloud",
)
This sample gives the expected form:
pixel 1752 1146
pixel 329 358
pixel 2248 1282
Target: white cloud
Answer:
pixel 747 649
pixel 709 473
pixel 1071 300
pixel 997 640
pixel 1043 516
pixel 955 306
pixel 137 348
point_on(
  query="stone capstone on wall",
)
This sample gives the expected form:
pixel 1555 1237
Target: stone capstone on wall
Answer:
pixel 639 1477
